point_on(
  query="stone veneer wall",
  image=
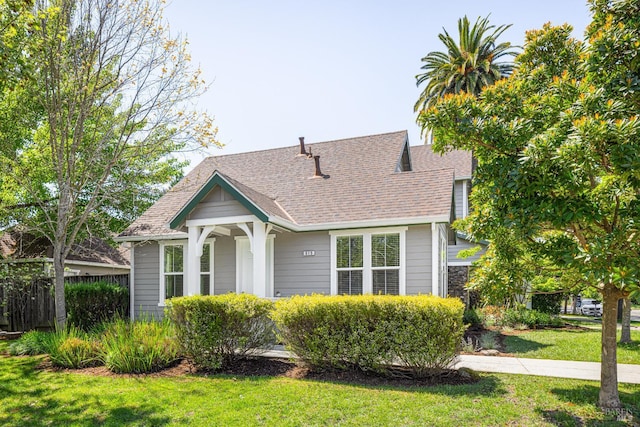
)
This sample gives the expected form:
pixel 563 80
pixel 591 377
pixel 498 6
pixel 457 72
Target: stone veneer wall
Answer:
pixel 458 278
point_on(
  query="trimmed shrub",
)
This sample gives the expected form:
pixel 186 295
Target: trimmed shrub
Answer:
pixel 73 348
pixel 470 317
pixel 89 304
pixel 370 333
pixel 215 331
pixel 138 347
pixel 31 343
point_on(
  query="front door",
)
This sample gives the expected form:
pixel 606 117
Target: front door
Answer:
pixel 244 266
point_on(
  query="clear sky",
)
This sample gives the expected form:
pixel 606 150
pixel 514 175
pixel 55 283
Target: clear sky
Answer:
pixel 330 69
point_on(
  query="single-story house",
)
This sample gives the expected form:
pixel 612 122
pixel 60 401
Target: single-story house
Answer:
pixel 91 257
pixel 360 215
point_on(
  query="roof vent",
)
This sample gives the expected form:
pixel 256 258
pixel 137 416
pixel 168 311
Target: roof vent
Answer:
pixel 303 152
pixel 318 173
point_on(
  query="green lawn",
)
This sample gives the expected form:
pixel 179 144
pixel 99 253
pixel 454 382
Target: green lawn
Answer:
pixel 578 344
pixel 32 397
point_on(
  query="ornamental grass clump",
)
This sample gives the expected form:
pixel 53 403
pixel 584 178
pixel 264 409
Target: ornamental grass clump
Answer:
pixel 138 347
pixel 216 331
pixel 73 348
pixel 31 343
pixel 372 332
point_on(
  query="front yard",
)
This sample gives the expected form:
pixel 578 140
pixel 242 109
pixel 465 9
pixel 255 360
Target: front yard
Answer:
pixel 580 344
pixel 30 396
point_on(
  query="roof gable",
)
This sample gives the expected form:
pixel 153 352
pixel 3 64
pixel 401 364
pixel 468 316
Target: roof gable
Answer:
pixel 216 179
pixel 423 158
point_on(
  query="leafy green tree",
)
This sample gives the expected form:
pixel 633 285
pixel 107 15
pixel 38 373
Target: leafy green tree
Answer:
pixel 468 65
pixel 557 148
pixel 116 94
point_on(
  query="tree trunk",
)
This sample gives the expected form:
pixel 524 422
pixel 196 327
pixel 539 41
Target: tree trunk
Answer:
pixel 609 398
pixel 58 265
pixel 625 337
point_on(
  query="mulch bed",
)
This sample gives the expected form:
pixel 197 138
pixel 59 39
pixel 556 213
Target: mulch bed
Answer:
pixel 273 367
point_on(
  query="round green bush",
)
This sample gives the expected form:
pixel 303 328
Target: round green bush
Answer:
pixel 370 333
pixel 216 331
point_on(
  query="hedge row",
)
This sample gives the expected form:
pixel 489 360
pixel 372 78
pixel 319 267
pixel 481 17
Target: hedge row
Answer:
pixel 90 304
pixel 371 333
pixel 368 333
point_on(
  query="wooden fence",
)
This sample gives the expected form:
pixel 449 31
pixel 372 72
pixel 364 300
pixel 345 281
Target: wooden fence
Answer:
pixel 25 306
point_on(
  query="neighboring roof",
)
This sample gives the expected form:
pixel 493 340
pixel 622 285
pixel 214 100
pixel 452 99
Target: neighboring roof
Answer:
pixel 22 245
pixel 423 158
pixel 360 183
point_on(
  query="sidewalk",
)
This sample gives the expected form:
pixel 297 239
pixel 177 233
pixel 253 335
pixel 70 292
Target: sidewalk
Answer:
pixel 516 365
pixel 546 368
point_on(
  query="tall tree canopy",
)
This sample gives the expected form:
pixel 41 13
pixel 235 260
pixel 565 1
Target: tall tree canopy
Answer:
pixel 114 94
pixel 557 145
pixel 468 65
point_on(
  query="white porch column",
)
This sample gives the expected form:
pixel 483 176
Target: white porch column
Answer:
pixel 197 236
pixel 259 247
pixel 193 263
pixel 435 265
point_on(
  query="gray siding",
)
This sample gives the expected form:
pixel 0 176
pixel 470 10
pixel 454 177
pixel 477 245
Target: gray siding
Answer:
pixel 461 244
pixel 293 272
pixel 297 274
pixel 224 265
pixel 146 258
pixel 218 203
pixel 418 253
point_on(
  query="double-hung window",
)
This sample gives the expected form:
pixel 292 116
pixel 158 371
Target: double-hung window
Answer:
pixel 349 264
pixel 368 261
pixel 385 263
pixel 206 270
pixel 172 269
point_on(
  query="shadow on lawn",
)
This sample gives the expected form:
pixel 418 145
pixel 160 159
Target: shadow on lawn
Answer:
pixel 588 394
pixel 487 386
pixel 53 411
pixel 29 397
pixel 516 344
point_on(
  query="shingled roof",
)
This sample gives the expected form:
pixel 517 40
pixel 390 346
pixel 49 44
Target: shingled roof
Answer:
pixel 423 158
pixel 361 182
pixel 17 244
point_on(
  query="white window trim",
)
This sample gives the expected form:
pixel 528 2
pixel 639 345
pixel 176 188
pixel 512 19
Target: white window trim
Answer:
pixel 352 268
pixel 211 271
pixel 185 254
pixel 367 276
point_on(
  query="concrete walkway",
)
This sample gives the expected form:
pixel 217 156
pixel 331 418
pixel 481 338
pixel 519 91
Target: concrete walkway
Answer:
pixel 516 365
pixel 546 368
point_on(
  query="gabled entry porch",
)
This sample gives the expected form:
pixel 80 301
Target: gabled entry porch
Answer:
pixel 254 252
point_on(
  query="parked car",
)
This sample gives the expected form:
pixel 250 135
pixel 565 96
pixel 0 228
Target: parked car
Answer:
pixel 590 307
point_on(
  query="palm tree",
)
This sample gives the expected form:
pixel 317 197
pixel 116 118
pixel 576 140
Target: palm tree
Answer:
pixel 467 66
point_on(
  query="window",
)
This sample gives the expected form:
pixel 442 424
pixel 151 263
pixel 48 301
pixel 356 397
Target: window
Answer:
pixel 206 277
pixel 349 264
pixel 385 263
pixel 173 270
pixel 368 261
